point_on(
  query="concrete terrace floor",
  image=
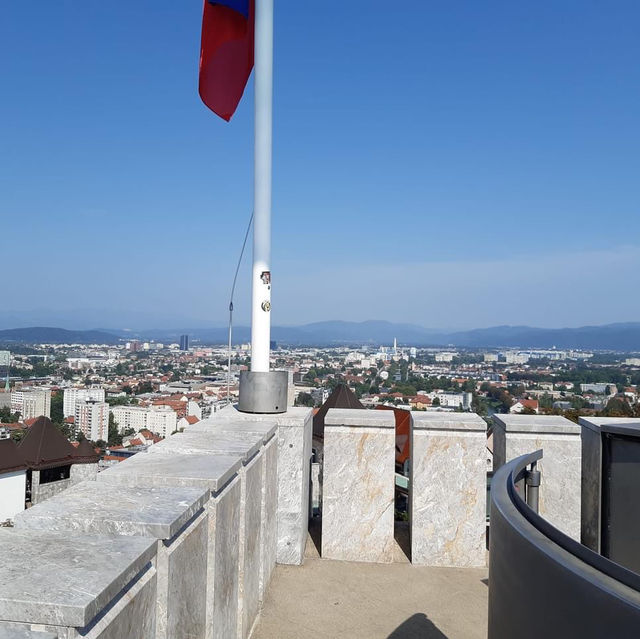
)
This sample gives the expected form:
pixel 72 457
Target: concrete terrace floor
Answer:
pixel 329 599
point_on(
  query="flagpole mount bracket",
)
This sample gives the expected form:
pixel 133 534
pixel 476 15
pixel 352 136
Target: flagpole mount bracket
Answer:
pixel 263 392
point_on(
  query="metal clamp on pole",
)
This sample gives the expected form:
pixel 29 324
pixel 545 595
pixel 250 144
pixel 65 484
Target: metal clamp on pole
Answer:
pixel 532 481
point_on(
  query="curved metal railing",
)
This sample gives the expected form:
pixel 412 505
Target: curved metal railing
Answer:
pixel 542 583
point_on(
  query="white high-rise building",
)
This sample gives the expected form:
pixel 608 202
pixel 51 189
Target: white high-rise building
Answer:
pixel 31 402
pixel 73 395
pixel 92 418
pixel 130 417
pixel 161 420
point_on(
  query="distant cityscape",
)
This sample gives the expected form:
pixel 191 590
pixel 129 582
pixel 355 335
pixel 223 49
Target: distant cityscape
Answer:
pixel 129 395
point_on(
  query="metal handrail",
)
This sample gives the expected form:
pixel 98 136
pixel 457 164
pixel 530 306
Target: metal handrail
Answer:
pixel 515 471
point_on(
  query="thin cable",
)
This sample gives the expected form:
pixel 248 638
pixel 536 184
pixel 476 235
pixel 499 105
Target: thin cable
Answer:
pixel 233 289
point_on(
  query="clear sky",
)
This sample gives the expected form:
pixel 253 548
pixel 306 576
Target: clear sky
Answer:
pixel 451 164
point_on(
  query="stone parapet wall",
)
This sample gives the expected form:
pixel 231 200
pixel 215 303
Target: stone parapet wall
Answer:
pixel 183 540
pixel 560 467
pixel 359 485
pixel 448 489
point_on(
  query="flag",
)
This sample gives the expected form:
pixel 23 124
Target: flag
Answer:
pixel 226 53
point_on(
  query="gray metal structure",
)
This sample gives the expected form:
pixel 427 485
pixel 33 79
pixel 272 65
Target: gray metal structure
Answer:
pixel 542 583
pixel 610 498
pixel 263 392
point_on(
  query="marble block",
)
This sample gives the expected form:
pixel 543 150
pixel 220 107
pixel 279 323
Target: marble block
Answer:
pixel 250 545
pixel 221 474
pixel 79 586
pixel 294 432
pixel 210 471
pixel 245 445
pixel 359 485
pixel 448 489
pixel 269 515
pixel 560 467
pixel 592 429
pixel 174 516
pixel 14 632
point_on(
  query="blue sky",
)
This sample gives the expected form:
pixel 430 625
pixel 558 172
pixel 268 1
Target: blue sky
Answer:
pixel 448 164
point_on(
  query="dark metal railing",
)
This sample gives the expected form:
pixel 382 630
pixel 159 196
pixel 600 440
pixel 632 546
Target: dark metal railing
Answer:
pixel 542 583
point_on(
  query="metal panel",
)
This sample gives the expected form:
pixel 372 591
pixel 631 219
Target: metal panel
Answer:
pixel 621 500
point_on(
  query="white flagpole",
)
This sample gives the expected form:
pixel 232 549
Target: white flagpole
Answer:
pixel 261 275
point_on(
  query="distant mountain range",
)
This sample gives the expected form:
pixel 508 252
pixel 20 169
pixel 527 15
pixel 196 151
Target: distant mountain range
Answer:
pixel 620 337
pixel 48 335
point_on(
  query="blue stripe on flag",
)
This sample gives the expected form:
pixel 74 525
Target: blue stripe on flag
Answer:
pixel 241 6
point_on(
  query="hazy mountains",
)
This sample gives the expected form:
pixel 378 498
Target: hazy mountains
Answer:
pixel 622 337
pixel 48 335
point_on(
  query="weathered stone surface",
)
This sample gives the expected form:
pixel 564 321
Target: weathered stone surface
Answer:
pixel 132 615
pixel 66 580
pixel 448 489
pixel 103 509
pixel 516 435
pixel 8 632
pixel 269 518
pixel 219 473
pixel 224 512
pixel 168 514
pixel 245 445
pixel 42 492
pixel 250 545
pixel 294 432
pixel 83 472
pixel 358 487
pixel 210 471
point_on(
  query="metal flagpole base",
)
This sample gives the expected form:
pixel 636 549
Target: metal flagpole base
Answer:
pixel 262 392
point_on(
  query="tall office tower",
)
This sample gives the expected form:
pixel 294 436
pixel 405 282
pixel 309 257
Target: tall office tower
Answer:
pixel 184 342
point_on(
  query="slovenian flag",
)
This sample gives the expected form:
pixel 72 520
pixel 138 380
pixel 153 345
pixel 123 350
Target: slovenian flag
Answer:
pixel 226 53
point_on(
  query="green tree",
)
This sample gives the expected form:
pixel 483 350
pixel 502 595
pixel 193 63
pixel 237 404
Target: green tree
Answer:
pixel 305 399
pixel 8 417
pixel 115 438
pixel 57 413
pixel 617 407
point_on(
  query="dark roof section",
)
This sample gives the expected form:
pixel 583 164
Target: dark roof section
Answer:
pixel 341 397
pixel 10 457
pixel 85 453
pixel 44 446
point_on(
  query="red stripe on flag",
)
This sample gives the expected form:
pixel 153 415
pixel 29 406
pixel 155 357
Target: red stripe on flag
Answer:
pixel 226 57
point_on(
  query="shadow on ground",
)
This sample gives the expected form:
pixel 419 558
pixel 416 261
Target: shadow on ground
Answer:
pixel 418 626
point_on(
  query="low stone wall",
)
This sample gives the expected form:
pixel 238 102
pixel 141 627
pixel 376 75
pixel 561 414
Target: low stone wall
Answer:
pixel 183 539
pixel 448 489
pixel 359 485
pixel 516 435
pixel 42 492
pixel 83 472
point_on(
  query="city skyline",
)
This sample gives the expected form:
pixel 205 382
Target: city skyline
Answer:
pixel 468 166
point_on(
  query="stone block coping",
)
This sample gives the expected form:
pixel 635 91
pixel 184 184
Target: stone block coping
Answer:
pixel 210 471
pixel 66 580
pixel 7 632
pixel 92 507
pixel 354 417
pixel 539 424
pixel 448 421
pixel 245 445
